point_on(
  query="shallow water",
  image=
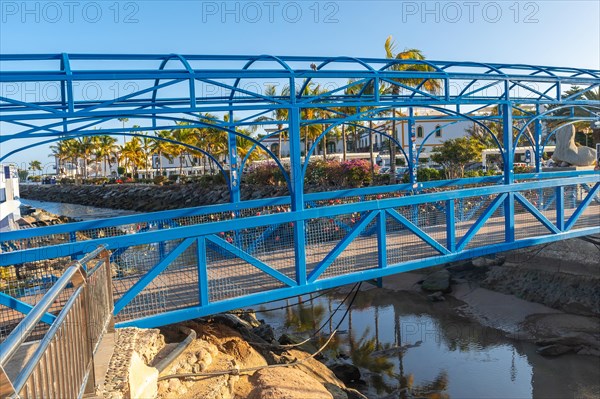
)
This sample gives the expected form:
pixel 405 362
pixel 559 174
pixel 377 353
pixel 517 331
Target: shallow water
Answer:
pixel 446 355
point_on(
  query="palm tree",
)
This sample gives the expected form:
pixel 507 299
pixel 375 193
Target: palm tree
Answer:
pixel 311 130
pixel 211 139
pixel 133 154
pixel 123 120
pixel 59 152
pixel 368 89
pixel 346 112
pixel 280 114
pixel 85 148
pixel 163 148
pixel 430 85
pixel 106 149
pixel 183 135
pixel 35 165
pixel 148 144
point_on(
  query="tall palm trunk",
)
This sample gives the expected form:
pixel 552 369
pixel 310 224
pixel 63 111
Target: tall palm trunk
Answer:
pixel 279 127
pixel 305 142
pixel 344 147
pixel 160 164
pixel 324 145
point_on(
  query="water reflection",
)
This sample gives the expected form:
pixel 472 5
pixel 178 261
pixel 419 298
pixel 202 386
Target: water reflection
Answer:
pixel 408 347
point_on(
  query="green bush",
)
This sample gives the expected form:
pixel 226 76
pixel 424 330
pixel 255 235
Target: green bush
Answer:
pixel 425 174
pixel 523 169
pixel 160 180
pixel 67 181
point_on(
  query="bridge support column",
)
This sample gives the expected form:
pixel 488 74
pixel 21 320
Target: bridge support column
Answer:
pixel 412 169
pixel 538 142
pixel 560 208
pixel 234 172
pixel 412 148
pixel 297 192
pixel 450 228
pixel 509 175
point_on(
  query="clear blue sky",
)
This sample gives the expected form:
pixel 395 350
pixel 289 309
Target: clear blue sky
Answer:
pixel 540 32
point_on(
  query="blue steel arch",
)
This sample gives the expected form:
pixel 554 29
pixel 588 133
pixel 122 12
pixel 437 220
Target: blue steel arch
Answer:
pixel 541 115
pixel 553 132
pixel 92 134
pixel 355 117
pixel 460 115
pixel 192 123
pixel 376 204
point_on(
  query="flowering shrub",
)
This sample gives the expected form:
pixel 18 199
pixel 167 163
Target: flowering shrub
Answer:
pixel 357 172
pixel 325 173
pixel 334 173
pixel 265 174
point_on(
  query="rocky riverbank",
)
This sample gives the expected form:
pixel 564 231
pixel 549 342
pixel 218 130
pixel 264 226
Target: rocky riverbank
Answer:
pixel 547 294
pixel 34 217
pixel 232 356
pixel 144 197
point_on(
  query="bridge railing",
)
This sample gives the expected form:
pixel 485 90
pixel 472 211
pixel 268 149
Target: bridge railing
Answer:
pixel 262 254
pixel 61 364
pixel 125 225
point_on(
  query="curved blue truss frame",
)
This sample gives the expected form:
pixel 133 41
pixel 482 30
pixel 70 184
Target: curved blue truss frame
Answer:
pixel 169 88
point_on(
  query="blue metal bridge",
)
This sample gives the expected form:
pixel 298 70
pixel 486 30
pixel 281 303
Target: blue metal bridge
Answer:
pixel 177 265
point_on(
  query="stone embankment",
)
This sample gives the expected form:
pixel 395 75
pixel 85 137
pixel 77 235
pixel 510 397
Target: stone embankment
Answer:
pixel 233 356
pixel 144 197
pixel 33 217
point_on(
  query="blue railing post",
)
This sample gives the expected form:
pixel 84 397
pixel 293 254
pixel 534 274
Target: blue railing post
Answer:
pixel 538 141
pixel 412 170
pixel 450 228
pixel 560 208
pixel 381 240
pixel 412 148
pixel 509 175
pixel 202 271
pixel 297 190
pixel 234 173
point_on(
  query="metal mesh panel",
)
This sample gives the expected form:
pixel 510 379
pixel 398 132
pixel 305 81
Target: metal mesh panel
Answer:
pixel 526 224
pixel 402 244
pixel 130 264
pixel 360 254
pixel 273 245
pixel 230 277
pixel 591 214
pixel 431 218
pixel 35 242
pixel 174 288
pixel 323 234
pixel 468 210
pixel 28 283
pixel 573 195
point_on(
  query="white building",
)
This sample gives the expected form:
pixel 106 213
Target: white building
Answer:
pixel 441 129
pixel 10 210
